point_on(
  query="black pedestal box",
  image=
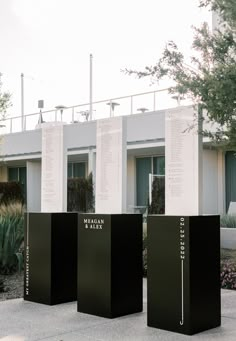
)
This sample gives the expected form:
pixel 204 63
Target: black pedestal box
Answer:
pixel 110 264
pixel 183 273
pixel 50 257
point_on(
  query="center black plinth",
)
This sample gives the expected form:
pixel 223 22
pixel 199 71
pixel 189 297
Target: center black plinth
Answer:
pixel 50 257
pixel 183 273
pixel 110 264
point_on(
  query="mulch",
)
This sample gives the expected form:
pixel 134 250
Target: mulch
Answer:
pixel 13 286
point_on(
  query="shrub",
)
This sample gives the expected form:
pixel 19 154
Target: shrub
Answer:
pixel 228 220
pixel 11 192
pixel 158 196
pixel 80 194
pixel 228 275
pixel 12 209
pixel 2 286
pixel 11 239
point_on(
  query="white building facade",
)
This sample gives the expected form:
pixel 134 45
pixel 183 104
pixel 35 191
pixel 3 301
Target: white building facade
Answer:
pixel 21 161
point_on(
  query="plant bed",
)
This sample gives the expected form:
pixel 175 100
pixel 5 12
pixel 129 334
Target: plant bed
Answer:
pixel 12 285
pixel 228 269
pixel 228 266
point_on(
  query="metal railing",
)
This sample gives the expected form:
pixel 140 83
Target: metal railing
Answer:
pixel 119 106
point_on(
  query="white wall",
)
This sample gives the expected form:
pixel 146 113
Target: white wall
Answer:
pixel 3 173
pixel 23 144
pixel 210 182
pixel 142 127
pixel 221 182
pixel 33 186
pixel 82 136
pixel 215 20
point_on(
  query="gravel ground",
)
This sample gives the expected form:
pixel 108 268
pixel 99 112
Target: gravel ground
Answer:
pixel 13 286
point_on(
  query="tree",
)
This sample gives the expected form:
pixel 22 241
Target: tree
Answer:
pixel 210 80
pixel 5 101
pixel 225 8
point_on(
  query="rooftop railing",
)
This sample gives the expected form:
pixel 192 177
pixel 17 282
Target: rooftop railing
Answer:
pixel 119 106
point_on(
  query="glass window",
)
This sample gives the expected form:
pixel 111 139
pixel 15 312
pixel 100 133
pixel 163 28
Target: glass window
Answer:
pixel 76 170
pixel 23 180
pixel 18 174
pixel 13 174
pixel 230 175
pixel 69 170
pixel 79 170
pixel 143 168
pixel 159 165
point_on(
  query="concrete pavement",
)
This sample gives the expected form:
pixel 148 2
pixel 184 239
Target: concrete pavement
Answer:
pixel 26 321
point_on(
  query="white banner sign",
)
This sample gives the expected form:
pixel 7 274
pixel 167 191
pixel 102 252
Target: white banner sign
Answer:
pixel 111 166
pixel 183 165
pixel 54 169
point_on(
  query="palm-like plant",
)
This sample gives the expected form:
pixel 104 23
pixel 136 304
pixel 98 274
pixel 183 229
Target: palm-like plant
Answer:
pixel 11 239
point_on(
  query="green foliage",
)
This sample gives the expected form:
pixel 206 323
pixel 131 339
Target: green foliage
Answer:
pixel 225 8
pixel 5 100
pixel 228 220
pixel 11 240
pixel 2 285
pixel 158 196
pixel 210 81
pixel 11 192
pixel 14 208
pixel 80 194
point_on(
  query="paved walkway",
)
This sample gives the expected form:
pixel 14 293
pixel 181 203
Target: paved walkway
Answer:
pixel 26 321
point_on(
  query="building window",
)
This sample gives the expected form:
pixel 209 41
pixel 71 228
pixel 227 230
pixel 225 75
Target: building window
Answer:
pixel 144 166
pixel 158 165
pixel 76 170
pixel 230 178
pixel 18 174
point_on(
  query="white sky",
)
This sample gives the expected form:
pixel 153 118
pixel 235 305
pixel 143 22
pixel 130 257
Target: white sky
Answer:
pixel 50 42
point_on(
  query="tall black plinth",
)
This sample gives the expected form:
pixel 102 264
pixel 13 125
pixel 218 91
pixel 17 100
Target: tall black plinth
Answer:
pixel 110 264
pixel 50 257
pixel 183 273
